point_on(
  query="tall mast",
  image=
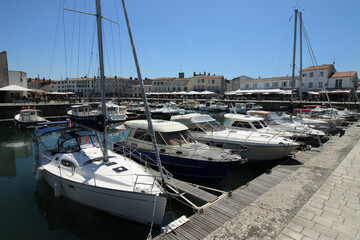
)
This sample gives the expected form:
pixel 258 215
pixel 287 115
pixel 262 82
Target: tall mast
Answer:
pixel 102 78
pixel 147 110
pixel 293 67
pixel 300 87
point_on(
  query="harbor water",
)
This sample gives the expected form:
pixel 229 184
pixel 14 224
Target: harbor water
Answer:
pixel 29 209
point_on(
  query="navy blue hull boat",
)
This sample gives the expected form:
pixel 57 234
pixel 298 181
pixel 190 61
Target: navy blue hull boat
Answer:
pixel 179 153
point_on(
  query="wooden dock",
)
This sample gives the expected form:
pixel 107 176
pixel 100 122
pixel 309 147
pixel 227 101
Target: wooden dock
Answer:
pixel 219 212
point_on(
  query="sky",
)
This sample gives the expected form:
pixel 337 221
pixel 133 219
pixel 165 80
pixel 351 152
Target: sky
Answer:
pixel 222 37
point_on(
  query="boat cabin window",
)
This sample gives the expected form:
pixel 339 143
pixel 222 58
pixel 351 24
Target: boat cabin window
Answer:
pixel 159 138
pixel 178 138
pixel 142 135
pixel 263 123
pixel 258 125
pixel 240 124
pixel 111 109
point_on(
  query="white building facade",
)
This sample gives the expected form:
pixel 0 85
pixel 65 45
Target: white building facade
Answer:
pixel 269 83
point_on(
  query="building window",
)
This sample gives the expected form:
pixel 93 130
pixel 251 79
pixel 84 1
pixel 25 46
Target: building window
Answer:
pixel 310 84
pixel 320 84
pixel 311 74
pixel 284 84
pixel 254 85
pixel 304 74
pixel 321 74
pixel 247 86
pixel 267 85
pixel 338 83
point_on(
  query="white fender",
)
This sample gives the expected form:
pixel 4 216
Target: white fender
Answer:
pixel 57 190
pixel 39 174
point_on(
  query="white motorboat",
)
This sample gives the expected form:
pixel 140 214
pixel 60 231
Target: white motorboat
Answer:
pixel 251 145
pixel 330 115
pixel 317 124
pixel 84 115
pixel 213 106
pixel 242 108
pixel 28 116
pixel 252 123
pixel 114 112
pixel 77 170
pixel 276 122
pixel 179 152
pixel 167 111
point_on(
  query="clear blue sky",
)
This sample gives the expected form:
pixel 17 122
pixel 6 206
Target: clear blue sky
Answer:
pixel 227 37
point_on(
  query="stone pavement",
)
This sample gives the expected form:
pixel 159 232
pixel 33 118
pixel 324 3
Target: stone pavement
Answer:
pixel 333 212
pixel 320 200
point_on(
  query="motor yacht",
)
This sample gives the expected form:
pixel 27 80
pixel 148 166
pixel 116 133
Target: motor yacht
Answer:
pixel 180 153
pixel 274 121
pixel 253 146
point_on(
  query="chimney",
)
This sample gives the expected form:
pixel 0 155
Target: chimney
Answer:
pixel 130 78
pixel 194 74
pixel 181 75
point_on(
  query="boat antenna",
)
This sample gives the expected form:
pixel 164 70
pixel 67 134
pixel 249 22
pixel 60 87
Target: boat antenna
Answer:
pixel 102 78
pixel 293 67
pixel 147 110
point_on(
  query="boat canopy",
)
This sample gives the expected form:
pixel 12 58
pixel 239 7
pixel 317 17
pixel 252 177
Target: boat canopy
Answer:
pixel 43 131
pixel 158 125
pixel 75 134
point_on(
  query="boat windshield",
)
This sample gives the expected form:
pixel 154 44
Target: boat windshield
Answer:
pixel 69 145
pixel 263 124
pixel 177 138
pixel 211 126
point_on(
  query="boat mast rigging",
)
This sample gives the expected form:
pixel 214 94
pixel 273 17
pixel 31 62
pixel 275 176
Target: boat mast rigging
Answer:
pixel 147 110
pixel 101 62
pixel 293 67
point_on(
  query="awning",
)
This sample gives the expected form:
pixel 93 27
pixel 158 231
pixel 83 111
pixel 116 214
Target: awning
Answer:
pixel 39 91
pixel 15 88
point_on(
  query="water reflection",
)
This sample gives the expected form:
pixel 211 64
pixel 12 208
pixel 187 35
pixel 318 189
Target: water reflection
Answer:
pixel 81 221
pixel 14 144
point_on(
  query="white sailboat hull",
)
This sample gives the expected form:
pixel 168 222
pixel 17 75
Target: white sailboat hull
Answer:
pixel 138 207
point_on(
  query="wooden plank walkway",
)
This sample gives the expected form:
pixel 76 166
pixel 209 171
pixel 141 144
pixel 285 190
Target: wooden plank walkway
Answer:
pixel 223 210
pixel 192 190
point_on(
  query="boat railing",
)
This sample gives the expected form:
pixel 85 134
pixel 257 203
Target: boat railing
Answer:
pixel 89 175
pixel 143 159
pixel 243 146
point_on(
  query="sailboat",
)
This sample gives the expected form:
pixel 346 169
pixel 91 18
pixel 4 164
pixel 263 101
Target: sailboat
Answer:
pixel 81 168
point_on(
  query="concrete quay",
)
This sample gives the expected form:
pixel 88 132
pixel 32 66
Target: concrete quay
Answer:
pixel 320 200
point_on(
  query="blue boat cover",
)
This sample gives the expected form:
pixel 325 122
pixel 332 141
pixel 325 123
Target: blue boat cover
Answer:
pixel 49 130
